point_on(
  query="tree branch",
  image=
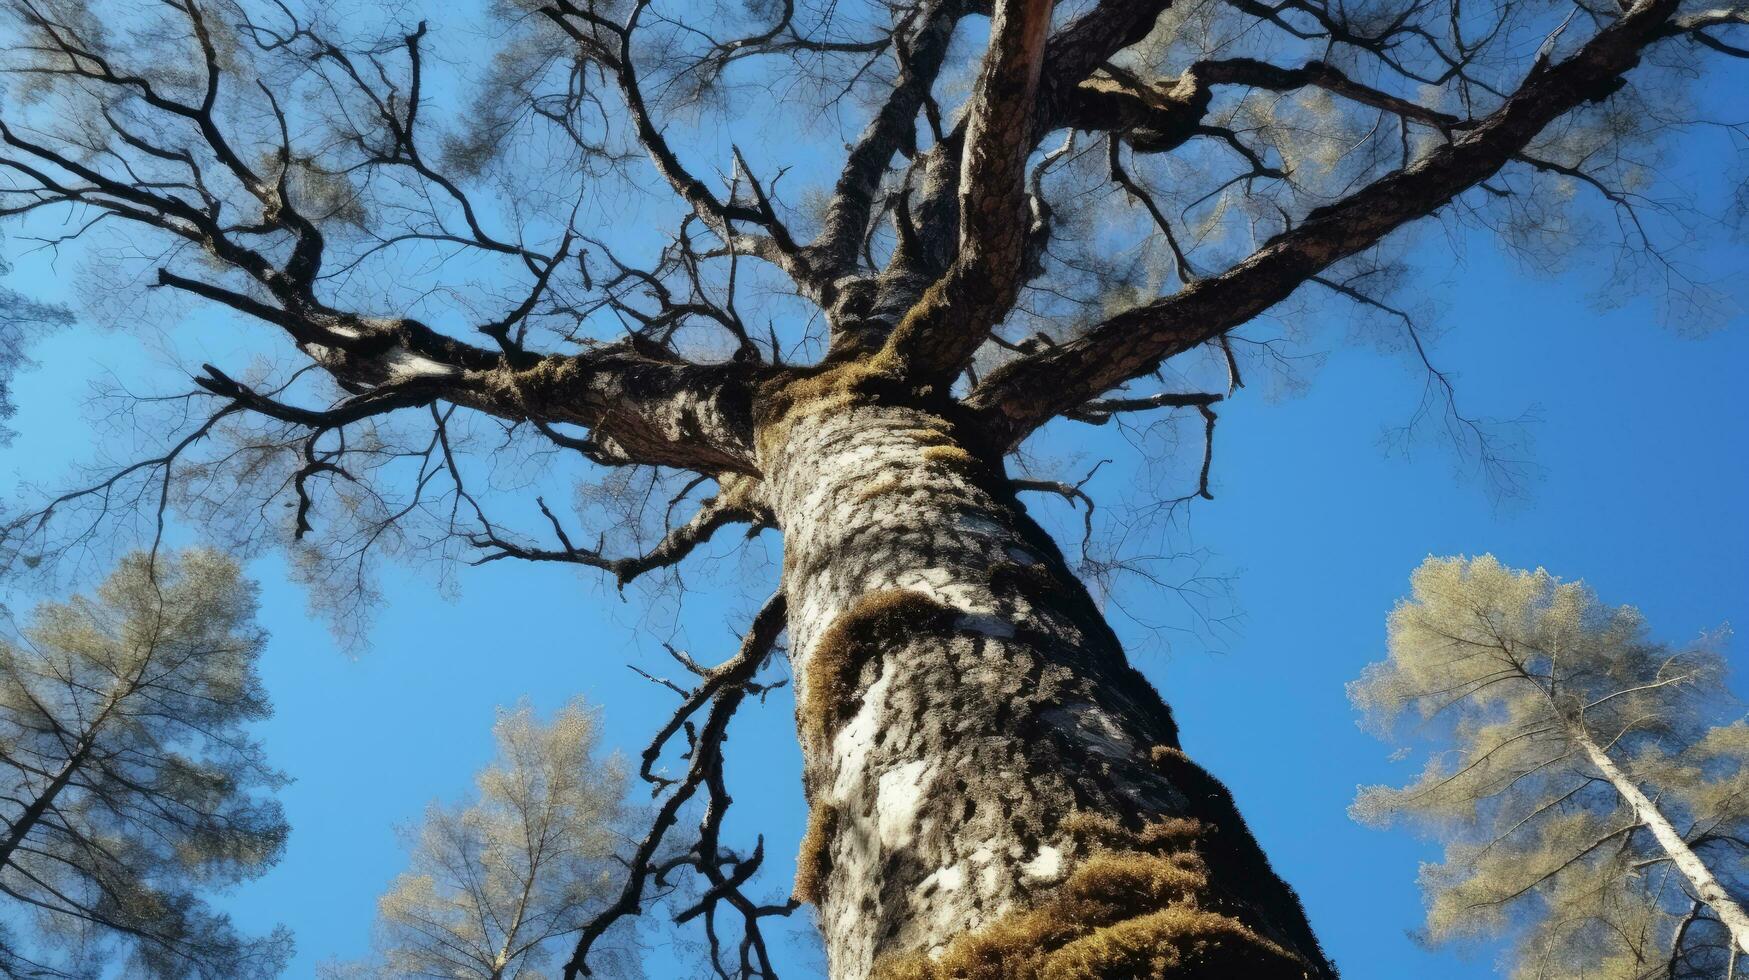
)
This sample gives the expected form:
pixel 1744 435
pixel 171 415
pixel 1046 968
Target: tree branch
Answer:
pixel 736 503
pixel 1022 395
pixel 720 693
pixel 955 314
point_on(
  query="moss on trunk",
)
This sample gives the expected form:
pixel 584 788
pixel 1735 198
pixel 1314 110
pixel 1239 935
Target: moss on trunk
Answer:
pixel 1139 904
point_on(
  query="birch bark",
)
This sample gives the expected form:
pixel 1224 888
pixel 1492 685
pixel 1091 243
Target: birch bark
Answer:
pixel 1699 877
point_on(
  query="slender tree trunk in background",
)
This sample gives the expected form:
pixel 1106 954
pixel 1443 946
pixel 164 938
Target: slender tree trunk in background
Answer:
pixel 19 829
pixel 989 780
pixel 33 814
pixel 1700 878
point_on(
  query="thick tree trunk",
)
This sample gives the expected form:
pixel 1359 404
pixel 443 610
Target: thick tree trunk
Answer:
pixel 1700 877
pixel 995 792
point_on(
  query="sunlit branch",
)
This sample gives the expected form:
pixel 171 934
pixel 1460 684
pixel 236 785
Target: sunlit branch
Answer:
pixel 955 314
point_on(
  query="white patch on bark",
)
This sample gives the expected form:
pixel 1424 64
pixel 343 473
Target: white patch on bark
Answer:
pixel 1047 865
pixel 856 739
pixel 403 365
pixel 326 356
pixel 899 798
pixel 947 589
pixel 948 879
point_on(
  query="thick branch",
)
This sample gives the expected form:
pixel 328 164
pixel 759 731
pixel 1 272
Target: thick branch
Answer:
pixel 1024 394
pixel 892 130
pixel 954 315
pixel 866 314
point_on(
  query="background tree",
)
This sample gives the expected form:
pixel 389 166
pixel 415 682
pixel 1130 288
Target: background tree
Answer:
pixel 21 320
pixel 497 888
pixel 1589 785
pixel 1039 209
pixel 132 785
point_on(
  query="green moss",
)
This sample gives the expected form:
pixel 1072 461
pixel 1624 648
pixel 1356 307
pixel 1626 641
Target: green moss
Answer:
pixel 1178 942
pixel 814 860
pixel 785 398
pixel 876 621
pixel 1233 855
pixel 1167 757
pixel 928 436
pixel 1101 833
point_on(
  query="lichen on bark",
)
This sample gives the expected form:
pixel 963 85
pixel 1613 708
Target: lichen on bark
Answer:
pixel 814 857
pixel 879 620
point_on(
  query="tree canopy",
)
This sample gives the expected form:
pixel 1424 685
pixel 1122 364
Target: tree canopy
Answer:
pixel 132 786
pixel 496 887
pixel 474 253
pixel 1548 719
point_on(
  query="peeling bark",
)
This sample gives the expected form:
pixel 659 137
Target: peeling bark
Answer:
pixel 975 742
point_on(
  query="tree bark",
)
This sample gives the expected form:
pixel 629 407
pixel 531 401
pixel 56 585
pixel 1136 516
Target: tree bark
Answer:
pixel 1699 876
pixel 994 790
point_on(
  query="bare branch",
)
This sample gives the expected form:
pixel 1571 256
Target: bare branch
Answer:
pixel 720 693
pixel 1018 397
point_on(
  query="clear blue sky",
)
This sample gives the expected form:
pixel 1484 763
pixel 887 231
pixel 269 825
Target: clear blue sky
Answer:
pixel 1641 446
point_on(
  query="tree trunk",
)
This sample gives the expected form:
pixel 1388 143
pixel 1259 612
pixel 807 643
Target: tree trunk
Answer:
pixel 27 820
pixel 994 791
pixel 33 813
pixel 1700 878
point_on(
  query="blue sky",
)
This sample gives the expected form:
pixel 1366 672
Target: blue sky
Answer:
pixel 1641 452
pixel 1641 448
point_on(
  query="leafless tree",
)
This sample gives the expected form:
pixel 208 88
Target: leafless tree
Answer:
pixel 1036 211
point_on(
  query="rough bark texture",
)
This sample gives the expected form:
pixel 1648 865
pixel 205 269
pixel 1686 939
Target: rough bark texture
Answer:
pixel 991 782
